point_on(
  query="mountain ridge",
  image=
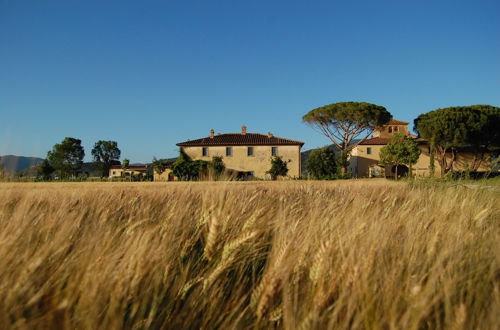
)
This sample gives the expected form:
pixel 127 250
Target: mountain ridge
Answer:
pixel 13 163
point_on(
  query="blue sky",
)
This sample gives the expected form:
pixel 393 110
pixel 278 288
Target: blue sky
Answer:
pixel 149 74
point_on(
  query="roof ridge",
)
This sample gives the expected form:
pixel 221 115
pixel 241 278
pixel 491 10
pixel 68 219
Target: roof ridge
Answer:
pixel 398 121
pixel 241 139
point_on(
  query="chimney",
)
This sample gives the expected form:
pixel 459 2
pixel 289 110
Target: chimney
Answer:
pixel 269 135
pixel 212 133
pixel 243 130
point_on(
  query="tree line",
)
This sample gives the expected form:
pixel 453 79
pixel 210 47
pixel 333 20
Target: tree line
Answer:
pixel 65 160
pixel 345 124
pixel 447 130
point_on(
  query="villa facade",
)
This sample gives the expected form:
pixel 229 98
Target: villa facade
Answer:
pixel 365 158
pixel 248 154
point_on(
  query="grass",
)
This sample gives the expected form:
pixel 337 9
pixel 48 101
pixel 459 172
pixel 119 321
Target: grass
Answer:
pixel 367 254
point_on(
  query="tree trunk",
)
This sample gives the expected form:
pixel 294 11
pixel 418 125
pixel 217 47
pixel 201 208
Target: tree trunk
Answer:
pixel 478 159
pixel 442 160
pixel 396 174
pixel 432 151
pixel 452 160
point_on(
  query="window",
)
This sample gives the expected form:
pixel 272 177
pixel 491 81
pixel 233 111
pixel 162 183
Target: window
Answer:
pixel 274 151
pixel 369 150
pixel 250 151
pixel 204 151
pixel 396 129
pixel 114 172
pixel 229 151
pixel 390 129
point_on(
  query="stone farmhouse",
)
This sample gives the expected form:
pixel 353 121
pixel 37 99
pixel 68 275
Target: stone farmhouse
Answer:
pixel 248 154
pixel 365 158
pixel 116 171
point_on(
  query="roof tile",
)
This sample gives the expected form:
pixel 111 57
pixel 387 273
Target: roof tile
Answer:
pixel 235 139
pixel 375 141
pixel 397 122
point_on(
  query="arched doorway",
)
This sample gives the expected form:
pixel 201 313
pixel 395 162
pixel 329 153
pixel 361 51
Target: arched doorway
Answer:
pixel 402 171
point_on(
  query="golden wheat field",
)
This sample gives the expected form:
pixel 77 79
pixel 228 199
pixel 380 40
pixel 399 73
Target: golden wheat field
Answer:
pixel 285 255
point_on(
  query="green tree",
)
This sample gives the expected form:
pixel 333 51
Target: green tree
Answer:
pixel 181 166
pixel 105 154
pixel 278 168
pixel 484 137
pixel 401 150
pixel 186 169
pixel 322 164
pixel 449 129
pixel 217 166
pixel 45 170
pixel 67 157
pixel 125 166
pixel 197 168
pixel 432 153
pixel 347 124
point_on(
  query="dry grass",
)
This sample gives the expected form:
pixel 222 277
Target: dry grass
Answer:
pixel 294 255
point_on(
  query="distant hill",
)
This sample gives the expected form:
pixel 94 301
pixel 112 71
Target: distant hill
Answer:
pixel 13 164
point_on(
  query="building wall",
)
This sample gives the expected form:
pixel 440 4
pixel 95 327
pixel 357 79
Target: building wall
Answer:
pixel 259 163
pixel 164 176
pixel 116 173
pixel 361 161
pixel 383 132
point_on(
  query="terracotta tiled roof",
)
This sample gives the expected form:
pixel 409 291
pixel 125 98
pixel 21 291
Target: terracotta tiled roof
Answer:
pixel 236 139
pixel 397 122
pixel 376 141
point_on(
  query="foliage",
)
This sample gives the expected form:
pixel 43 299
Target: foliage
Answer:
pixel 125 164
pixel 181 167
pixel 217 166
pixel 45 170
pixel 343 162
pixel 198 168
pixel 2 172
pixel 105 154
pixel 432 154
pixel 401 150
pixel 160 165
pixel 67 157
pixel 186 169
pixel 287 255
pixel 322 164
pixel 347 124
pixel 485 136
pixel 278 168
pixel 449 129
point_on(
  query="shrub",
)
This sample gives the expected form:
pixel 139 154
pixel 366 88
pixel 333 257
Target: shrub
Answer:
pixel 217 167
pixel 278 168
pixel 322 164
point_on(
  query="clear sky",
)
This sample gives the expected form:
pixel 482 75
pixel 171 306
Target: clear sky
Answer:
pixel 150 74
